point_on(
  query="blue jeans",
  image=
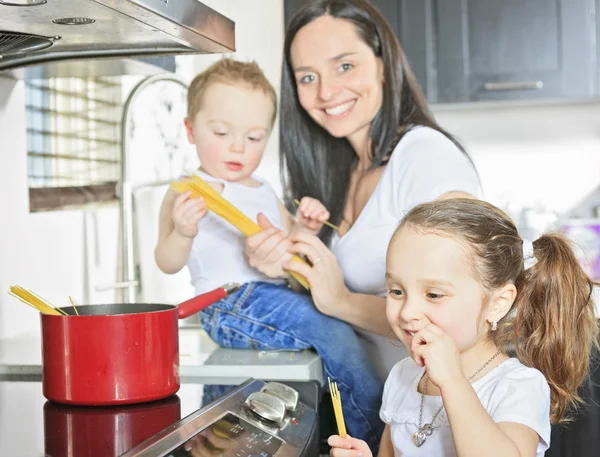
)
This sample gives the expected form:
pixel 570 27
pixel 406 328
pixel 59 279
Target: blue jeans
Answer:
pixel 268 316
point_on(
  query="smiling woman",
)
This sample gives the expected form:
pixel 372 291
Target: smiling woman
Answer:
pixel 357 135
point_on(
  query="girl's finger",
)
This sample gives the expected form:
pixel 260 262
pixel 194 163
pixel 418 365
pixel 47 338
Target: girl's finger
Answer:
pixel 434 330
pixel 348 446
pixel 347 442
pixel 420 354
pixel 424 336
pixel 340 452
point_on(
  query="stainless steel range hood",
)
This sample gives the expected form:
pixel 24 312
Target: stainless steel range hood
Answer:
pixel 54 38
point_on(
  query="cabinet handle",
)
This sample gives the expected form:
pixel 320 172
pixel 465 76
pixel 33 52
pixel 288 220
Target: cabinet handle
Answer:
pixel 520 85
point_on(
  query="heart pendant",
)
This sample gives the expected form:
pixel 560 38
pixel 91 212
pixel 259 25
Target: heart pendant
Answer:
pixel 419 438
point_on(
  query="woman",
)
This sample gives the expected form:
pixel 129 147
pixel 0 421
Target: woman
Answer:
pixel 357 135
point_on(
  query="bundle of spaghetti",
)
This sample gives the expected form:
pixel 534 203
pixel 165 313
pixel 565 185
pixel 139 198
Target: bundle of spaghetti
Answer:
pixel 218 205
pixel 336 399
pixel 35 301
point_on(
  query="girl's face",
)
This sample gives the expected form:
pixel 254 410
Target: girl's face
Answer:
pixel 231 130
pixel 429 281
pixel 339 79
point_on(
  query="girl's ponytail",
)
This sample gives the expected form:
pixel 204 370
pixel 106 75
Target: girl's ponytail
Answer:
pixel 554 326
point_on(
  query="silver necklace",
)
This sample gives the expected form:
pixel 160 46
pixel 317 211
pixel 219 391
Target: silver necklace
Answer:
pixel 426 430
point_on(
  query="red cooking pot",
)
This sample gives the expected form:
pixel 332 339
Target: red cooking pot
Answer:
pixel 105 431
pixel 116 354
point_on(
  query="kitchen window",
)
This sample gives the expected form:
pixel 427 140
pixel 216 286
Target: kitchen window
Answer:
pixel 73 141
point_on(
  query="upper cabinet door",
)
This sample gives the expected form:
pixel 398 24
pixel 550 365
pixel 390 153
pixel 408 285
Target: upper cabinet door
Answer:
pixel 470 50
pixel 515 49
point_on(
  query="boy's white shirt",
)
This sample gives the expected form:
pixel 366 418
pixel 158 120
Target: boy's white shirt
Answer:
pixel 217 255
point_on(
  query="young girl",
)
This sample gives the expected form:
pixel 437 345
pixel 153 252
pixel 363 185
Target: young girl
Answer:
pixel 231 110
pixel 464 290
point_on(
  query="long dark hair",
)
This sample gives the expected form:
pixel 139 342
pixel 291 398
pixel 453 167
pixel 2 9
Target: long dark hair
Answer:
pixel 552 322
pixel 312 162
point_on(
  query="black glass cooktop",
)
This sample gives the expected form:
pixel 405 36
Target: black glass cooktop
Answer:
pixel 31 426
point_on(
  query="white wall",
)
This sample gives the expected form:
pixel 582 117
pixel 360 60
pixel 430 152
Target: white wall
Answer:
pixel 542 157
pixel 541 153
pixel 44 252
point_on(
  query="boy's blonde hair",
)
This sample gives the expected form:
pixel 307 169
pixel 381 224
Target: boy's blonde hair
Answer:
pixel 232 72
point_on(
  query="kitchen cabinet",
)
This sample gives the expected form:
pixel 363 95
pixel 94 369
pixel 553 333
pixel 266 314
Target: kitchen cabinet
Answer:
pixel 472 50
pixel 491 50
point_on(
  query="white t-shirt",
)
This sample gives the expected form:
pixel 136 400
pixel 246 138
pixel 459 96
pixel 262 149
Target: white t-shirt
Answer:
pixel 217 256
pixel 424 165
pixel 511 392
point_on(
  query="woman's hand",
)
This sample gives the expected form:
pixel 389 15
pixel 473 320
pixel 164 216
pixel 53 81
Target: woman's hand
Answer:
pixel 432 348
pixel 267 250
pixel 325 277
pixel 186 213
pixel 348 447
pixel 311 213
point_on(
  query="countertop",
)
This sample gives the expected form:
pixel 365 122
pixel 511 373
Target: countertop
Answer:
pixel 201 360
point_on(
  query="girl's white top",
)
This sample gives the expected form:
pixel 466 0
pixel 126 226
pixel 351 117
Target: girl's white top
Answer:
pixel 424 165
pixel 511 392
pixel 217 256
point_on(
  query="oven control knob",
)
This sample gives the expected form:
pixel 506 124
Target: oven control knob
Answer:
pixel 266 406
pixel 285 393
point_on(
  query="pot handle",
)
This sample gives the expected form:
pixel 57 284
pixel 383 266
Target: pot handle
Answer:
pixel 198 303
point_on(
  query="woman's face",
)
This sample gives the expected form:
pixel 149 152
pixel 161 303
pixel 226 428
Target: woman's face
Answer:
pixel 339 79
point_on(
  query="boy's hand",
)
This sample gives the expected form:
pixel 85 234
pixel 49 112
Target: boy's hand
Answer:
pixel 348 447
pixel 311 213
pixel 186 214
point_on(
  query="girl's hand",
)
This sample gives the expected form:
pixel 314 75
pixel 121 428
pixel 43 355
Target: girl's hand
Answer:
pixel 186 214
pixel 432 348
pixel 267 250
pixel 311 213
pixel 325 277
pixel 348 447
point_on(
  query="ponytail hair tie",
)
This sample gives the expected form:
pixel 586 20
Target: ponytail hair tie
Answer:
pixel 529 259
